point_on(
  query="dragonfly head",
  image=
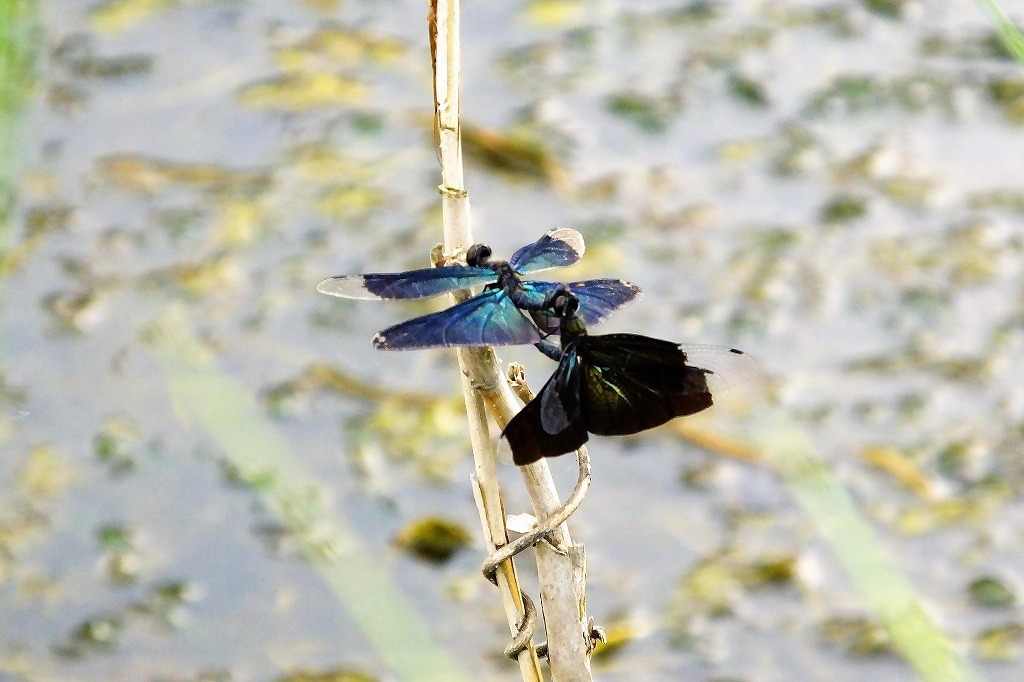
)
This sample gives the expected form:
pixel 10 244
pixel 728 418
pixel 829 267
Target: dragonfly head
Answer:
pixel 477 255
pixel 571 326
pixel 564 303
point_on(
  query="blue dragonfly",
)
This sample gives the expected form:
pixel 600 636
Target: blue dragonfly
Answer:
pixel 509 311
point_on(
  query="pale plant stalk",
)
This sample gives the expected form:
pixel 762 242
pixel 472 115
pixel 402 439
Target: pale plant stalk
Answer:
pixel 560 563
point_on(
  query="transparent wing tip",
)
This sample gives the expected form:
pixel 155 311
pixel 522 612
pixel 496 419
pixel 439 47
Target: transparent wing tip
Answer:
pixel 570 237
pixel 380 342
pixel 346 286
pixel 728 368
pixel 504 452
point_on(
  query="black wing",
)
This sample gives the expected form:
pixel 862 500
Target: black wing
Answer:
pixel 631 383
pixel 489 319
pixel 552 423
pixel 411 284
pixel 556 249
pixel 656 363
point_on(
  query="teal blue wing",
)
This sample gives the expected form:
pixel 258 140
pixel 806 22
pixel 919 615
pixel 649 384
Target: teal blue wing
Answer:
pixel 411 284
pixel 489 319
pixel 556 249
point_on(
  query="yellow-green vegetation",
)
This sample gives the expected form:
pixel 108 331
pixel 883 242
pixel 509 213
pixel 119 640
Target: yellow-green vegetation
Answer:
pixel 1000 643
pixel 519 152
pixel 258 453
pixel 120 15
pixel 295 92
pixel 619 630
pixel 901 466
pixel 144 175
pixel 891 9
pixel 1008 95
pixel 124 560
pixel 328 378
pixel 339 45
pixel 979 503
pixel 433 539
pixel 888 595
pixel 432 435
pixel 18 46
pixel 42 480
pixel 120 446
pixel 553 13
pixel 1010 35
pixel 843 208
pixel 649 114
pixel 715 585
pixel 991 592
pixel 337 675
pixel 747 90
pixel 856 636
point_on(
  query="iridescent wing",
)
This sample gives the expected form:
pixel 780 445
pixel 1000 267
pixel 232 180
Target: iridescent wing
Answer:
pixel 632 383
pixel 616 405
pixel 411 284
pixel 489 319
pixel 598 299
pixel 552 423
pixel 642 356
pixel 618 384
pixel 556 249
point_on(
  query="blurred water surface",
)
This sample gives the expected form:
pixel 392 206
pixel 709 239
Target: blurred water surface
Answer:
pixel 192 436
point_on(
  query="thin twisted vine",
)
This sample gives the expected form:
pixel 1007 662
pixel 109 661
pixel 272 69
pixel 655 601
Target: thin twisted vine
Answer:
pixel 527 626
pixel 517 379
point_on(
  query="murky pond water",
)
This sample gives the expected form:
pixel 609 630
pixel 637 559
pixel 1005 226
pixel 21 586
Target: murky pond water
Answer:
pixel 209 473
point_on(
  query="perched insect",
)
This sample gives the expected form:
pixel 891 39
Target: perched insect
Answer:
pixel 509 311
pixel 611 385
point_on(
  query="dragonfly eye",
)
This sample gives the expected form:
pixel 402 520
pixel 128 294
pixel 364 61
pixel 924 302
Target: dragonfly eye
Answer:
pixel 477 255
pixel 565 304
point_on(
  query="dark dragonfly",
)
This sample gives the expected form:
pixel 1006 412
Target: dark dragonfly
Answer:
pixel 509 311
pixel 611 385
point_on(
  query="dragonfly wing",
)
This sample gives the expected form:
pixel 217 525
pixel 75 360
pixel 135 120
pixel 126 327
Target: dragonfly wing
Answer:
pixel 726 367
pixel 560 404
pixel 598 299
pixel 411 284
pixel 615 406
pixel 632 383
pixel 658 364
pixel 552 423
pixel 643 356
pixel 558 248
pixel 489 319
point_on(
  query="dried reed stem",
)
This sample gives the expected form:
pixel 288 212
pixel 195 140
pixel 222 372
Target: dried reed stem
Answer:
pixel 560 563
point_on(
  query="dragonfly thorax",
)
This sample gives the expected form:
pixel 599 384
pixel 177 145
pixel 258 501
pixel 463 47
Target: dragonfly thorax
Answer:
pixel 572 327
pixel 572 330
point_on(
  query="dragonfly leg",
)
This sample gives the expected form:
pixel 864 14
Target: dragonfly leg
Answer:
pixel 550 349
